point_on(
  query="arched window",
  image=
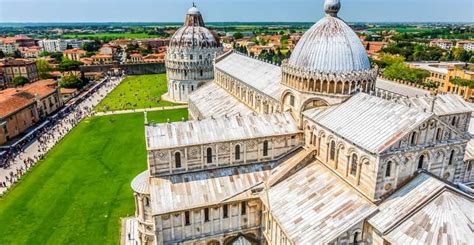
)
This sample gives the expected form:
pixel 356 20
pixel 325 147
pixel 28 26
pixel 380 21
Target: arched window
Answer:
pixel 388 170
pixel 355 239
pixel 413 138
pixel 439 134
pixel 354 164
pixel 292 100
pixel 237 152
pixel 332 151
pixel 451 157
pixel 209 155
pixel 146 201
pixel 265 148
pixel 177 159
pixel 191 57
pixel 453 121
pixel 201 72
pixel 421 161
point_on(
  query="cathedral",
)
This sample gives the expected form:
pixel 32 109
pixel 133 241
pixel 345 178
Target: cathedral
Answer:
pixel 314 151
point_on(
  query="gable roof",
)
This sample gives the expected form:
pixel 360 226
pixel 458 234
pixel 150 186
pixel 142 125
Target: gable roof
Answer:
pixel 223 129
pixel 370 122
pixel 315 205
pixel 262 76
pixel 211 100
pixel 404 201
pixel 447 219
pixel 444 104
pixel 197 189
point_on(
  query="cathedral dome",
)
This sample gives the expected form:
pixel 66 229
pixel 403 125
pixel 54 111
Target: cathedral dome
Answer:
pixel 194 34
pixel 330 46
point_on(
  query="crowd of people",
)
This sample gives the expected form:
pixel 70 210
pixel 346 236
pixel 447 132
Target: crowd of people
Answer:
pixel 24 154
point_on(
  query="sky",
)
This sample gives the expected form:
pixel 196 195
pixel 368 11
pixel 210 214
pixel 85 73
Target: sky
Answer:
pixel 233 10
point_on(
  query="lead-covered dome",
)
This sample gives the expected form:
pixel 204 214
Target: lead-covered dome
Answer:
pixel 330 46
pixel 329 59
pixel 193 33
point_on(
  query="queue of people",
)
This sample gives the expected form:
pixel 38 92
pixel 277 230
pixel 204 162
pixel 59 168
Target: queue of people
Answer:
pixel 24 154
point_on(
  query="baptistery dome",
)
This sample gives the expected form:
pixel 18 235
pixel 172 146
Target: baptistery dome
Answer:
pixel 193 34
pixel 329 58
pixel 190 55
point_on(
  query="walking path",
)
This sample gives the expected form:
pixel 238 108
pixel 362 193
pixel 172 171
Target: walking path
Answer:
pixel 163 108
pixel 37 149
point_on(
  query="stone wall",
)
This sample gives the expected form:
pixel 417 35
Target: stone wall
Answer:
pixel 211 223
pixel 192 158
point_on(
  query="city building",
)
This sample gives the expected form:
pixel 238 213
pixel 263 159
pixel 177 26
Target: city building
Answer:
pixel 101 59
pixel 51 45
pixel 467 45
pixel 305 153
pixel 32 52
pixel 444 44
pixel 136 58
pixel 74 54
pixel 189 57
pixel 12 68
pixel 155 58
pixel 21 108
pixel 107 49
pixel 59 45
pixel 8 46
pixel 445 74
pixel 374 48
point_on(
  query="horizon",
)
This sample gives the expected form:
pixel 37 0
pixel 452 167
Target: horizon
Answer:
pixel 215 11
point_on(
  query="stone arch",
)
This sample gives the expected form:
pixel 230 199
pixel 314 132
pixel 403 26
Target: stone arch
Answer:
pixel 324 87
pixel 339 88
pixel 346 88
pixel 285 100
pixel 332 87
pixel 213 242
pixel 317 86
pixel 313 103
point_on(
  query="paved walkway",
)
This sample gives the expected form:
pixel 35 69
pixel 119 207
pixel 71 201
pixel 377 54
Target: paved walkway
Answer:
pixel 37 149
pixel 141 110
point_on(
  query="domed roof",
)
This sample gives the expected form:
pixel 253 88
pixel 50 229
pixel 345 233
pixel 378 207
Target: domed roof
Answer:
pixel 330 46
pixel 193 34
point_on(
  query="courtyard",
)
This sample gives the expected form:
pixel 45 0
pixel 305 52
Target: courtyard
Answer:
pixel 137 92
pixel 78 194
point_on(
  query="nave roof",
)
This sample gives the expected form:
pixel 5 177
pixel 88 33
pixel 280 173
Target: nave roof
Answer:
pixel 223 129
pixel 260 75
pixel 211 100
pixel 370 122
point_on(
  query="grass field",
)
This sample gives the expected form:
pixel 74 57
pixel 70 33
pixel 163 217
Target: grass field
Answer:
pixel 110 35
pixel 78 194
pixel 137 92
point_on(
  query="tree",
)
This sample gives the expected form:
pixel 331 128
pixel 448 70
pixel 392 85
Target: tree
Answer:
pixel 71 82
pixel 45 53
pixel 43 69
pixel 17 54
pixel 58 56
pixel 20 81
pixel 69 65
pixel 238 35
pixel 92 46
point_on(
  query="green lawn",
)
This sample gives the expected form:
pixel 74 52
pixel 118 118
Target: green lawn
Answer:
pixel 78 194
pixel 137 92
pixel 110 35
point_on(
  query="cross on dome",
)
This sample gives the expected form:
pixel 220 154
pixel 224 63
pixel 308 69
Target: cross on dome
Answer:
pixel 332 7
